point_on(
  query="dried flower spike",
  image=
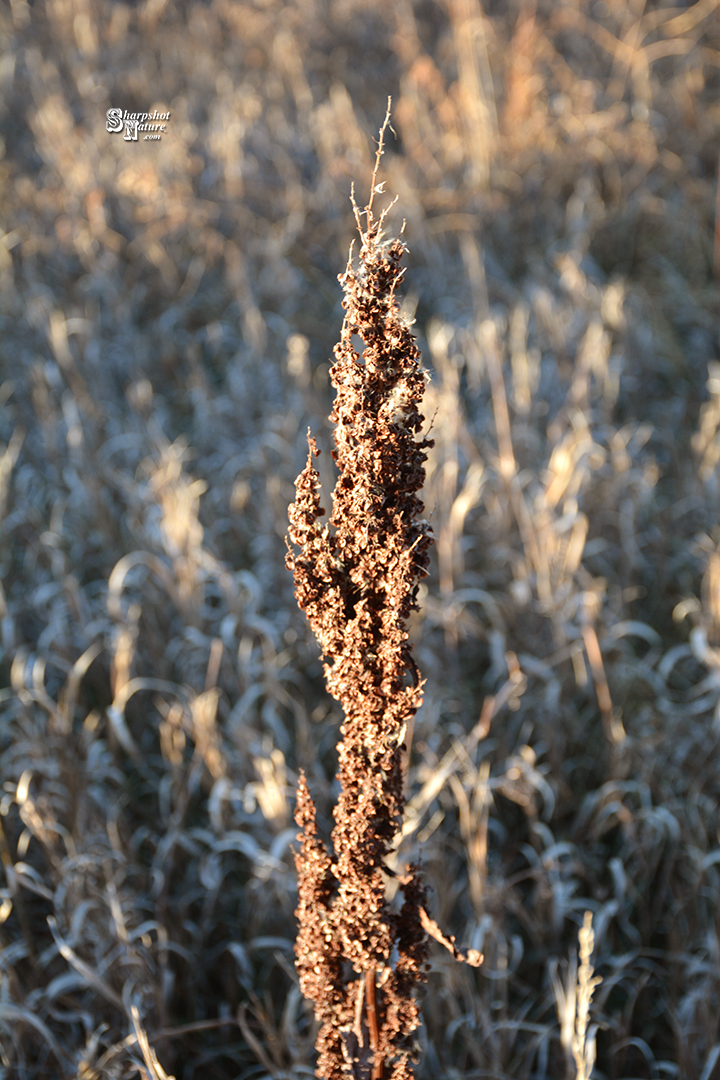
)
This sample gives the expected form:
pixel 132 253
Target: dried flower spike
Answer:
pixel 357 580
pixel 583 1044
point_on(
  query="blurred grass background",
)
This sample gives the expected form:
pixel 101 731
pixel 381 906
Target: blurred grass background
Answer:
pixel 167 316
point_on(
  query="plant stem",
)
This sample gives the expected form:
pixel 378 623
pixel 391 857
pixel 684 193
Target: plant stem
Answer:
pixel 378 1069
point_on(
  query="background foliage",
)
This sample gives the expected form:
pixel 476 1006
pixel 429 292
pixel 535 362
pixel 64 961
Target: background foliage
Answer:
pixel 167 316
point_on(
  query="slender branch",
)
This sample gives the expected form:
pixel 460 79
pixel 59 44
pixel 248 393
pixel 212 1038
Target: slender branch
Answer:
pixel 466 956
pixel 371 996
pixel 378 154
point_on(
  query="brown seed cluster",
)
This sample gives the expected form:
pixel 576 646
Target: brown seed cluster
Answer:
pixel 357 579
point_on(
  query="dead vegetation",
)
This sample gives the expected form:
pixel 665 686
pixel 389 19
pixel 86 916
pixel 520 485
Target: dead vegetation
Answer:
pixel 167 314
pixel 357 580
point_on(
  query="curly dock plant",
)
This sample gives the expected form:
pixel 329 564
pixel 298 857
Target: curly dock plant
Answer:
pixel 357 580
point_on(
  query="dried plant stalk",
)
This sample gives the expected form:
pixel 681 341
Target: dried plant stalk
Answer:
pixel 583 1044
pixel 357 581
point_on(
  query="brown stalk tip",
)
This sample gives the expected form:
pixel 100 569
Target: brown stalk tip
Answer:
pixel 357 580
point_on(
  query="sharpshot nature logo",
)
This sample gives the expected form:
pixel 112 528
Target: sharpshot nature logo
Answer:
pixel 117 120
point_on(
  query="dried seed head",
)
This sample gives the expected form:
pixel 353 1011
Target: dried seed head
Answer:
pixel 357 581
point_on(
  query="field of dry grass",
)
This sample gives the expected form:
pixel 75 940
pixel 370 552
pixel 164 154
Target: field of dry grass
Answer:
pixel 167 315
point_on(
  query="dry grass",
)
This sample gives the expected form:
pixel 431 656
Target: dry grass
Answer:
pixel 167 314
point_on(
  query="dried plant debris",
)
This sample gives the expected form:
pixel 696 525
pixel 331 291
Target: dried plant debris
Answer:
pixel 357 580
